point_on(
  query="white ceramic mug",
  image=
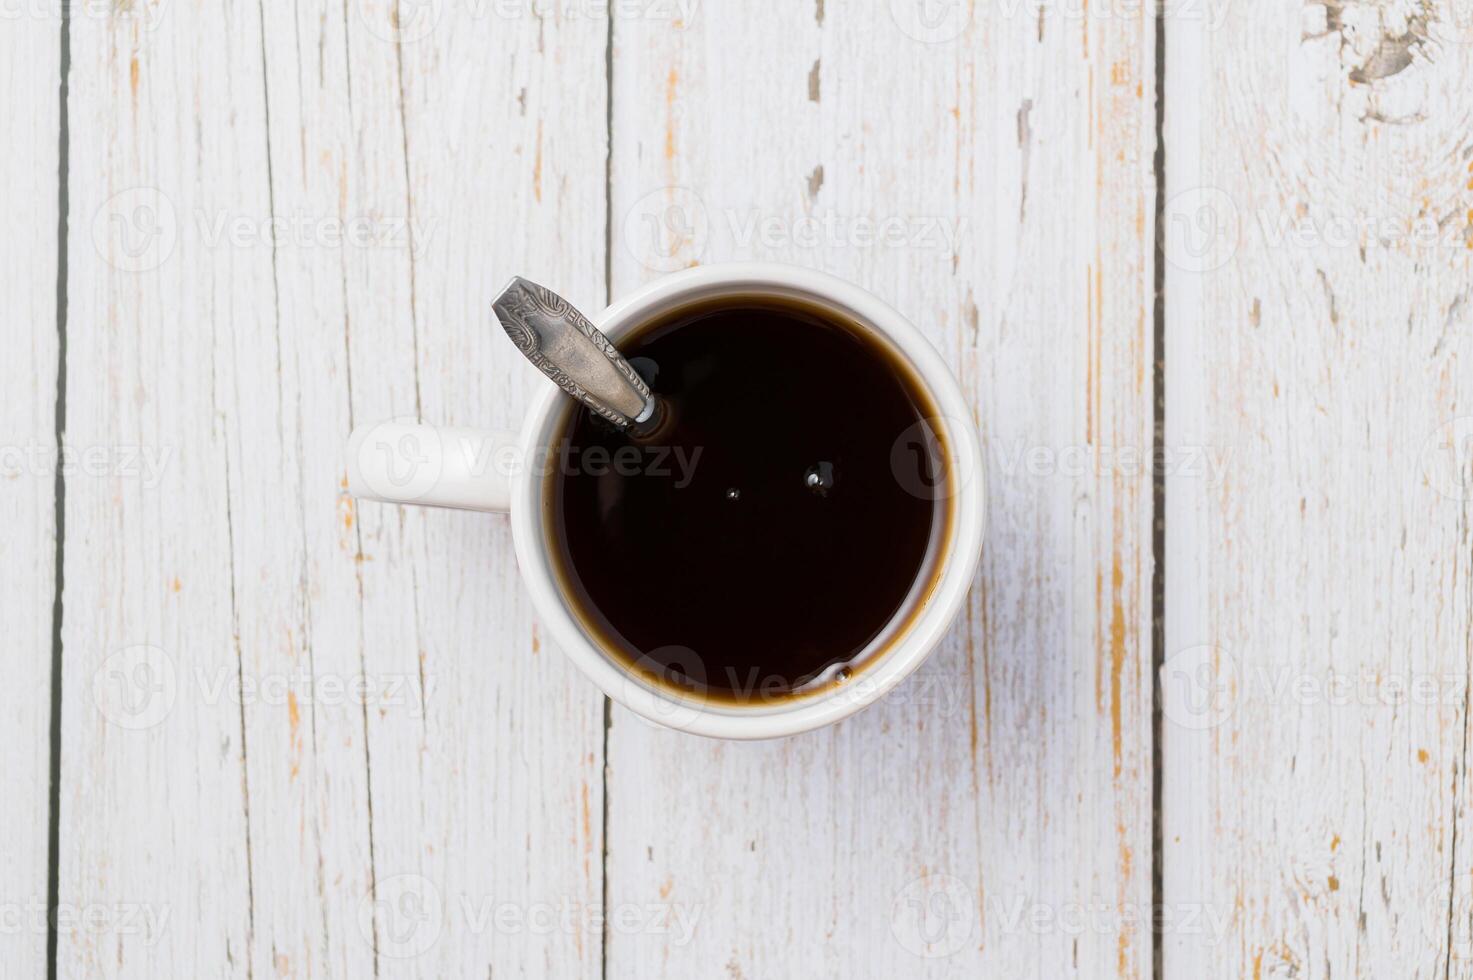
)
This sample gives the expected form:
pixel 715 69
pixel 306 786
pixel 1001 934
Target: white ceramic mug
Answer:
pixel 415 463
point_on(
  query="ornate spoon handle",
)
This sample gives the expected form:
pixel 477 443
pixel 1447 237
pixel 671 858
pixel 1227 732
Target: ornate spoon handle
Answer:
pixel 569 349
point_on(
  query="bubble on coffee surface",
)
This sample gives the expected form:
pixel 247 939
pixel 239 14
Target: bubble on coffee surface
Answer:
pixel 733 494
pixel 819 478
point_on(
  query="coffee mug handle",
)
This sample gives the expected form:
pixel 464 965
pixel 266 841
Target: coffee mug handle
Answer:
pixel 411 462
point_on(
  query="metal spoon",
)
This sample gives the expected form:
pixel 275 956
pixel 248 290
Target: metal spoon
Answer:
pixel 569 349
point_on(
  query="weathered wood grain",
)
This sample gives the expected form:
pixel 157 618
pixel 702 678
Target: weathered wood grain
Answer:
pixel 496 796
pixel 167 122
pixel 989 174
pixel 30 52
pixel 308 740
pixel 1319 619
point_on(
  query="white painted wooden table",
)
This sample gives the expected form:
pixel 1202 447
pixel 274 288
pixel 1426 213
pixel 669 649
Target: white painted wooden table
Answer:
pixel 1205 715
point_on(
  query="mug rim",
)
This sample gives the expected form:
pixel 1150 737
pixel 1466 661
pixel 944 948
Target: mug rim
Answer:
pixel 957 561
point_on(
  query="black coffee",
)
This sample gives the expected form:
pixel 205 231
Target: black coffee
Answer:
pixel 777 522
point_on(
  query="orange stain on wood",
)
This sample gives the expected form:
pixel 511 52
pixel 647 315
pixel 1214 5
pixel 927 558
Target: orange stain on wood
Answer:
pixel 587 819
pixel 1422 756
pixel 587 831
pixel 536 640
pixel 666 886
pixel 133 77
pixel 1117 657
pixel 176 585
pixel 294 719
pixel 346 509
pixel 1122 943
pixel 672 86
pixel 1334 883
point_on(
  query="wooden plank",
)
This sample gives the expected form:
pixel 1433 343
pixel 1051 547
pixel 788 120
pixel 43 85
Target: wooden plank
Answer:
pixel 30 71
pixel 1319 623
pixel 334 188
pixel 347 713
pixel 990 175
pixel 166 123
pixel 494 797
